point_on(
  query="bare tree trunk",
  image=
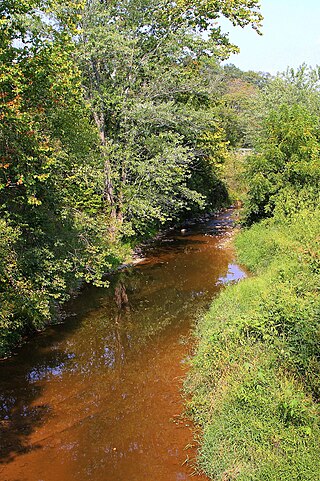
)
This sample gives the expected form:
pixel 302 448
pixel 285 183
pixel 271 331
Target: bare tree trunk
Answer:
pixel 108 186
pixel 99 119
pixel 121 196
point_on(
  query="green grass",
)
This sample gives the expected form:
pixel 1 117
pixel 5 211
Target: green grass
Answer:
pixel 254 381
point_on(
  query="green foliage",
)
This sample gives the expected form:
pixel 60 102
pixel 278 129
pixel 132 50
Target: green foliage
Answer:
pixel 288 158
pixel 293 87
pixel 50 172
pixel 151 76
pixel 232 173
pixel 108 131
pixel 255 377
pixel 240 93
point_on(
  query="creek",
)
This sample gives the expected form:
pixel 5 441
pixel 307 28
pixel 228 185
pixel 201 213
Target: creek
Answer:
pixel 99 397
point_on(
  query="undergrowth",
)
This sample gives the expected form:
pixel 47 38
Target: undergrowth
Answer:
pixel 255 376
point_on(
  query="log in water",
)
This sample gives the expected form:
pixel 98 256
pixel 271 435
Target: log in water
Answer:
pixel 98 398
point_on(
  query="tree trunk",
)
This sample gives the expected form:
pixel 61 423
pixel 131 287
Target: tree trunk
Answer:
pixel 121 196
pixel 108 193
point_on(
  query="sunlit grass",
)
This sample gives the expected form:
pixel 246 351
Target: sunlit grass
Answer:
pixel 255 377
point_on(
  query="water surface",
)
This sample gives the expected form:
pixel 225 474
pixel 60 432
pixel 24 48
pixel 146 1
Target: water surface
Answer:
pixel 98 397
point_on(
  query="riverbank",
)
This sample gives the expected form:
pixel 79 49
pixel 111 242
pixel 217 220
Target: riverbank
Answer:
pixel 121 255
pixel 255 376
pixel 100 395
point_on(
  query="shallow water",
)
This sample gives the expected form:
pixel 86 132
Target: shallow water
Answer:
pixel 98 397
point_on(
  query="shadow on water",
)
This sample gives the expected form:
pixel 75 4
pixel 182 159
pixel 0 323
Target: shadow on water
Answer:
pixel 49 356
pixel 42 359
pixel 20 414
pixel 95 395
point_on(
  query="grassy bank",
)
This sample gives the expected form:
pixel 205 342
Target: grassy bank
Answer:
pixel 254 381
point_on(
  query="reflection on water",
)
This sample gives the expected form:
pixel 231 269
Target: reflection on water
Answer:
pixel 234 274
pixel 98 397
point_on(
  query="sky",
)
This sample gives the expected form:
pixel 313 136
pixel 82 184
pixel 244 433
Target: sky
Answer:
pixel 291 36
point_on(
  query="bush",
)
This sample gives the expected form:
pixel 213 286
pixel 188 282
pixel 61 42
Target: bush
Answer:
pixel 287 158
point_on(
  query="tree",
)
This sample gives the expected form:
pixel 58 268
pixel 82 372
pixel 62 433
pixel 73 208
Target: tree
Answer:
pixel 50 183
pixel 288 158
pixel 147 73
pixel 108 120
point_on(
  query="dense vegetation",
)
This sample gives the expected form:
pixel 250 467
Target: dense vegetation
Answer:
pixel 117 118
pixel 114 122
pixel 255 379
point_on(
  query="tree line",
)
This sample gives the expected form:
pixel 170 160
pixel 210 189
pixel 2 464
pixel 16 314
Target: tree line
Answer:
pixel 111 128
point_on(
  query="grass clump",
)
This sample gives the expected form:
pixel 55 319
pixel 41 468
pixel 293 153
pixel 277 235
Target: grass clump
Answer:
pixel 255 376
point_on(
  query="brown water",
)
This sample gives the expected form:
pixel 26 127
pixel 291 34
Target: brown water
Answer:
pixel 98 397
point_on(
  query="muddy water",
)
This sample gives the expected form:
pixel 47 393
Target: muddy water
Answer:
pixel 98 398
